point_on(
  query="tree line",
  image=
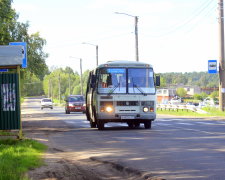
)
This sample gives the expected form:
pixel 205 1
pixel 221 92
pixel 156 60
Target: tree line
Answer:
pixel 63 82
pixel 201 79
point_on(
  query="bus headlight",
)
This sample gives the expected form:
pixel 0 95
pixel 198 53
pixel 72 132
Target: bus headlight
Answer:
pixel 109 109
pixel 145 109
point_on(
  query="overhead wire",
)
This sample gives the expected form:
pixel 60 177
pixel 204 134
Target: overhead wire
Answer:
pixel 200 21
pixel 186 22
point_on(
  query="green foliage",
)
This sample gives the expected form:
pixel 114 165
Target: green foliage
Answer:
pixel 201 96
pixel 214 95
pixel 198 97
pixel 202 79
pixel 17 157
pixel 36 56
pixel 13 31
pixel 32 85
pixel 63 78
pixel 181 92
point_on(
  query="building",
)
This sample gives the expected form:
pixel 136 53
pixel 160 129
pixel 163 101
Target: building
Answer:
pixel 165 95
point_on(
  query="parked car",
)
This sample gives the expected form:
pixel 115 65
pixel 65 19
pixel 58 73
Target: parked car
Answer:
pixel 75 103
pixel 46 103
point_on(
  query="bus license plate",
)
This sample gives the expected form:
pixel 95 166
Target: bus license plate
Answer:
pixel 127 117
pixel 77 107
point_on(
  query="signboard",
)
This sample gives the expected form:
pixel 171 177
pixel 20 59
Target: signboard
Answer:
pixel 11 55
pixel 212 66
pixel 4 70
pixel 24 45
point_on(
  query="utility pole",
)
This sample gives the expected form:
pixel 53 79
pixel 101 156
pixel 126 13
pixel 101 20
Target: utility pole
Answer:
pixel 69 85
pixel 96 47
pixel 59 90
pixel 136 38
pixel 49 88
pixel 221 57
pixel 81 79
pixel 96 55
pixel 135 32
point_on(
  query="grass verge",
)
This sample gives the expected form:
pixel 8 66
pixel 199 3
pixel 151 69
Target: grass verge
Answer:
pixel 17 157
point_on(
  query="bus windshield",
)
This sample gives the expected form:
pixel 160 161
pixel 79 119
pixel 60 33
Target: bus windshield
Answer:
pixel 126 81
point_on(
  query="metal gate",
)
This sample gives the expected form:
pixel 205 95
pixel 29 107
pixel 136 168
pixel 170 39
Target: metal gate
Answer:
pixel 9 102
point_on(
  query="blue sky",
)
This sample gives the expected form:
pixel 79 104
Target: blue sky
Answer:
pixel 174 35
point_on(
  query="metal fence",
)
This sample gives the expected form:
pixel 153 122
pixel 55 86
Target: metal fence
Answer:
pixel 176 107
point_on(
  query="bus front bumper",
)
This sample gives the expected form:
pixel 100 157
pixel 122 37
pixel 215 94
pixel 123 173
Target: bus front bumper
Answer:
pixel 109 117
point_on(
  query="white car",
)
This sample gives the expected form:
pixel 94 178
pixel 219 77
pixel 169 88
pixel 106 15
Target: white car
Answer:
pixel 46 103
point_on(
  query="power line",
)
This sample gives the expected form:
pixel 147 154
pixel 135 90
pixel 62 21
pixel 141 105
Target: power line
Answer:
pixel 188 21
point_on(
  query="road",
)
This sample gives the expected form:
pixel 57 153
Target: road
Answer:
pixel 175 148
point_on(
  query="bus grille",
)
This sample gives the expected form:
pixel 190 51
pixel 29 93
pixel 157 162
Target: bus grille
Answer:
pixel 127 103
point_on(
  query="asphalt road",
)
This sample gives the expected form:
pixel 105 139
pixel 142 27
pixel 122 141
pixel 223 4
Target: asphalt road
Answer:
pixel 175 148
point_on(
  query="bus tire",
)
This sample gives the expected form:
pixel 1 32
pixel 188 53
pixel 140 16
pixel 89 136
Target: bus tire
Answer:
pixel 148 125
pixel 136 124
pixel 100 125
pixel 88 115
pixel 92 124
pixel 130 125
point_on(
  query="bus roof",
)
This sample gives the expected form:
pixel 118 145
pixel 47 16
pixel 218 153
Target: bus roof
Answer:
pixel 125 64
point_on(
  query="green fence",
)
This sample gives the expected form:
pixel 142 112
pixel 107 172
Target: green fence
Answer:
pixel 9 102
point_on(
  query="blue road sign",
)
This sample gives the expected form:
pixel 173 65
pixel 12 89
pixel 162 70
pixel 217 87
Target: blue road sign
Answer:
pixel 212 66
pixel 24 44
pixel 4 70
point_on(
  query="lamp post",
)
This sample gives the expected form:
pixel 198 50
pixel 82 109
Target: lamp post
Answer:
pixel 96 46
pixel 81 81
pixel 135 30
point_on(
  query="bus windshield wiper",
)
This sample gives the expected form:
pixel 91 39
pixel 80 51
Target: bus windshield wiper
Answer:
pixel 112 90
pixel 139 89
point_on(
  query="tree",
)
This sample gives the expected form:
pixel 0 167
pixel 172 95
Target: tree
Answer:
pixel 214 95
pixel 200 96
pixel 51 82
pixel 36 56
pixel 181 92
pixel 8 18
pixel 13 31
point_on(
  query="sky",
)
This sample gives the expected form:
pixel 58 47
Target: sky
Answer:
pixel 174 35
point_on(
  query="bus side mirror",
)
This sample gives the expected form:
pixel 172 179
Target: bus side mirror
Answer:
pixel 157 80
pixel 93 81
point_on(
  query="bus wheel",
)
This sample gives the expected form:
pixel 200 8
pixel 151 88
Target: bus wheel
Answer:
pixel 137 125
pixel 130 125
pixel 100 125
pixel 88 115
pixel 148 125
pixel 92 124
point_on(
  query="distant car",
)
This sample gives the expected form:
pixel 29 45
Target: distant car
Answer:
pixel 75 103
pixel 46 103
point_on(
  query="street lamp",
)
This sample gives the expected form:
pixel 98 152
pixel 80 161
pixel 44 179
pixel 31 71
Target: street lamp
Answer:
pixel 136 32
pixel 96 46
pixel 81 81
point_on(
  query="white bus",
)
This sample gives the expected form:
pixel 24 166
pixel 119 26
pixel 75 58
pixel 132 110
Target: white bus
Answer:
pixel 122 91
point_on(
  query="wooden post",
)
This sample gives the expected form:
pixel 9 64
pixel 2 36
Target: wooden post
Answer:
pixel 20 130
